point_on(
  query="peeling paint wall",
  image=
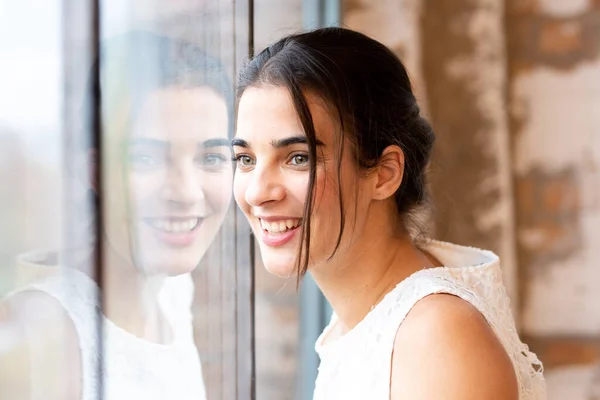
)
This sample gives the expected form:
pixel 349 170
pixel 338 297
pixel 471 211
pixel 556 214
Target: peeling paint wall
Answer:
pixel 555 118
pixel 464 67
pixel 557 153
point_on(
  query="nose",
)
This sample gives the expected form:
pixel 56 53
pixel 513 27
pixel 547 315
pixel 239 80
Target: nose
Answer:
pixel 265 186
pixel 183 185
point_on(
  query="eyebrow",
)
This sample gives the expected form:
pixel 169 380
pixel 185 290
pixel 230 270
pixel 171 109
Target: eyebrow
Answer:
pixel 239 143
pixel 277 143
pixel 149 142
pixel 216 142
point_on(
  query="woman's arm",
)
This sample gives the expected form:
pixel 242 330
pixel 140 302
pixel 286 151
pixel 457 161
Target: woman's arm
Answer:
pixel 445 349
pixel 39 356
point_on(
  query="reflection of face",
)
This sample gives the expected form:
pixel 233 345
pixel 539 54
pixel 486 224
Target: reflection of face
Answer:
pixel 177 176
pixel 271 181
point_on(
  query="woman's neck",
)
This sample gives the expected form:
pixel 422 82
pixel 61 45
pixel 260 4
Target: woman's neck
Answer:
pixel 369 269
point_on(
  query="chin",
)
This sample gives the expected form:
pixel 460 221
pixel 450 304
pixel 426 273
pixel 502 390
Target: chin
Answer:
pixel 283 267
pixel 168 262
pixel 286 271
pixel 179 268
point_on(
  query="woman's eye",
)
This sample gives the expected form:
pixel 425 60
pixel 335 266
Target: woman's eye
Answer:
pixel 299 159
pixel 244 160
pixel 213 160
pixel 143 161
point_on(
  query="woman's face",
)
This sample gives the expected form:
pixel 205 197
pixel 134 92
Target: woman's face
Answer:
pixel 176 175
pixel 272 179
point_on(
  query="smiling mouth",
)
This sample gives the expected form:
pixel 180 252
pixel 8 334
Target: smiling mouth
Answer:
pixel 280 226
pixel 174 225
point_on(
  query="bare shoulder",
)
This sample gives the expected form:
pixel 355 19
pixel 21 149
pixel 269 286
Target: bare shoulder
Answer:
pixel 39 316
pixel 39 347
pixel 445 349
pixel 33 306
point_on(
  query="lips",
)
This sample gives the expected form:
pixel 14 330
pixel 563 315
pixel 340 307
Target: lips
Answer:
pixel 279 231
pixel 174 225
pixel 175 231
pixel 280 226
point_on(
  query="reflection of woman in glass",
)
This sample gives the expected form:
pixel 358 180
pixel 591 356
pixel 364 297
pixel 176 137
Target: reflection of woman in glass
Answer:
pixel 167 169
pixel 331 168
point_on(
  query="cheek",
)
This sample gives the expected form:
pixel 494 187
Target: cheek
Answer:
pixel 296 186
pixel 143 190
pixel 325 191
pixel 142 186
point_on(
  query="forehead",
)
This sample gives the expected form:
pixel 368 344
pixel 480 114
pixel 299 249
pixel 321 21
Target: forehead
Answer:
pixel 178 113
pixel 268 112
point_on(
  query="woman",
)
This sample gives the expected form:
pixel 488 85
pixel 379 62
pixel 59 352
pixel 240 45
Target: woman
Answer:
pixel 331 173
pixel 167 187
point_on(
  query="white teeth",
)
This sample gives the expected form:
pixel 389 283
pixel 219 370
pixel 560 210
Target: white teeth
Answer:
pixel 281 226
pixel 174 226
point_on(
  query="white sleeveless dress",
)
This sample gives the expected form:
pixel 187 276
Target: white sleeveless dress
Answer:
pixel 357 365
pixel 132 368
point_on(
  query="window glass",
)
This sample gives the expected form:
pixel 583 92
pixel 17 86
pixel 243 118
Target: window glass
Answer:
pixel 168 311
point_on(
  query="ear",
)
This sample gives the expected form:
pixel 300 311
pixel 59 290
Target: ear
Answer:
pixel 389 172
